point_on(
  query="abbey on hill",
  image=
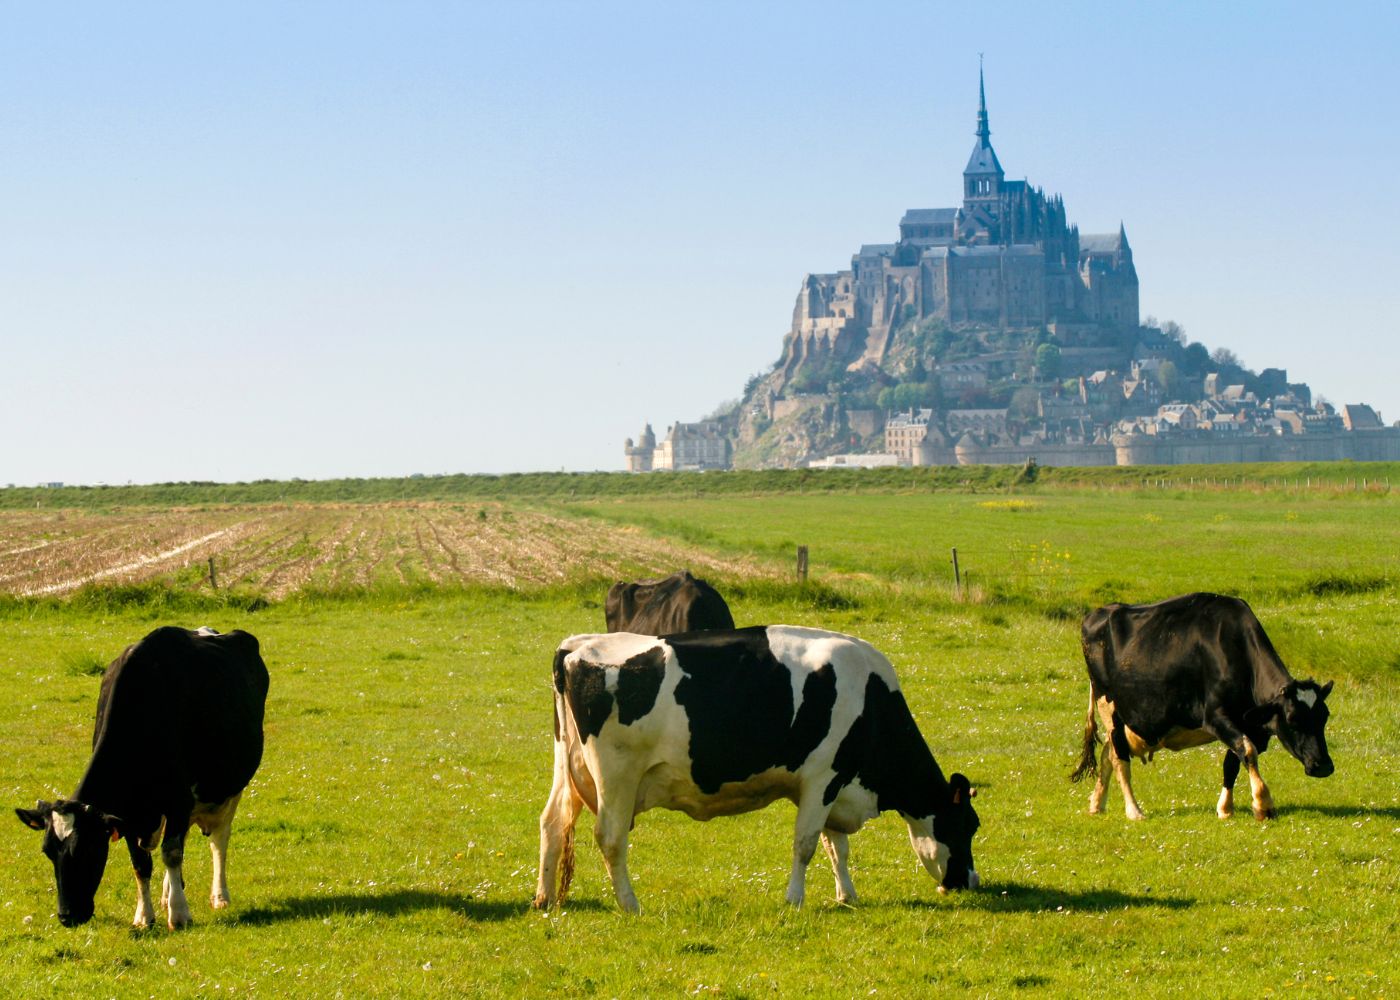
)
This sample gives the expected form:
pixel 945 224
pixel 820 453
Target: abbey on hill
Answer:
pixel 994 332
pixel 1006 258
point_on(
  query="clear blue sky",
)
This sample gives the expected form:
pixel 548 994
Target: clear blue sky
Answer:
pixel 321 239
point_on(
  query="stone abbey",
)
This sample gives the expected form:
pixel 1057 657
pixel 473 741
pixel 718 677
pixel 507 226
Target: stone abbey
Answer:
pixel 996 333
pixel 1007 258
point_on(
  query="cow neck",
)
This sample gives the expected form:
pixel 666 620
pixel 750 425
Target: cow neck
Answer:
pixel 122 776
pixel 906 776
pixel 118 781
pixel 1271 677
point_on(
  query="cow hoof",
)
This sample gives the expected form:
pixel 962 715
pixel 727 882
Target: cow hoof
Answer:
pixel 1134 816
pixel 1263 814
pixel 179 923
pixel 218 902
pixel 142 923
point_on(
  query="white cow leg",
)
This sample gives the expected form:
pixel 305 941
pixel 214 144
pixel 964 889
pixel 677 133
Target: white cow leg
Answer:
pixel 218 848
pixel 1122 769
pixel 177 907
pixel 838 850
pixel 1262 801
pixel 142 867
pixel 616 807
pixel 1230 769
pixel 557 821
pixel 145 911
pixel 811 817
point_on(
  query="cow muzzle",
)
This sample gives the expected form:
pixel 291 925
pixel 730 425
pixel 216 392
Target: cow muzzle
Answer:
pixel 74 919
pixel 973 882
pixel 1319 769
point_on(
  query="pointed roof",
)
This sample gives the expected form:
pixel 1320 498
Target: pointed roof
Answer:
pixel 983 159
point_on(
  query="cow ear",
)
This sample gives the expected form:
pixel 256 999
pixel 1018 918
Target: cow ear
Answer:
pixel 962 789
pixel 36 818
pixel 1326 689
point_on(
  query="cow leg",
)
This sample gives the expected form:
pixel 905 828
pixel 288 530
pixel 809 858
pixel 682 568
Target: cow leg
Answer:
pixel 617 803
pixel 811 818
pixel 1122 770
pixel 1243 747
pixel 142 864
pixel 838 849
pixel 1100 792
pixel 557 821
pixel 172 896
pixel 1230 769
pixel 220 827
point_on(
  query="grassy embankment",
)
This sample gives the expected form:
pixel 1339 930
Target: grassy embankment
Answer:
pixel 388 845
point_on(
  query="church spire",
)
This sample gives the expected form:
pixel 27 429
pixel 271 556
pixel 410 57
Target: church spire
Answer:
pixel 983 176
pixel 984 132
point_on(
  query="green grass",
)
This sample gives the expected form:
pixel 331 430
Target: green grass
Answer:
pixel 1305 476
pixel 388 845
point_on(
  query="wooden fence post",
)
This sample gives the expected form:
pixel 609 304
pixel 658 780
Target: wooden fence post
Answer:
pixel 957 574
pixel 802 563
pixel 213 579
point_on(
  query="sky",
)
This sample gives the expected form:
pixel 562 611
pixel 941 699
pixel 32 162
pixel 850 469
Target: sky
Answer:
pixel 275 240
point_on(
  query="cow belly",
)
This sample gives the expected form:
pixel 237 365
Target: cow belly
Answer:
pixel 852 808
pixel 208 815
pixel 669 787
pixel 1177 738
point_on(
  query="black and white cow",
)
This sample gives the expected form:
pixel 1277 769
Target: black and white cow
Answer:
pixel 1187 671
pixel 676 603
pixel 179 735
pixel 717 723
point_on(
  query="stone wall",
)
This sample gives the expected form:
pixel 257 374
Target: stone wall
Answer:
pixel 1364 446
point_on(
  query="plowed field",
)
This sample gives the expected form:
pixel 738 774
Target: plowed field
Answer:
pixel 278 551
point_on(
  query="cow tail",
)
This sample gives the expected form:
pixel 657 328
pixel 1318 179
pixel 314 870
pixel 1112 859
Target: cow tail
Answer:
pixel 1089 757
pixel 566 866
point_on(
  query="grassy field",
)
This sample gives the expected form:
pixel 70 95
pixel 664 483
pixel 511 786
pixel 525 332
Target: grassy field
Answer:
pixel 388 845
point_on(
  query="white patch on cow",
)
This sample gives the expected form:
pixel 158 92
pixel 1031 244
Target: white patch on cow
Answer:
pixel 62 825
pixel 1307 696
pixel 205 630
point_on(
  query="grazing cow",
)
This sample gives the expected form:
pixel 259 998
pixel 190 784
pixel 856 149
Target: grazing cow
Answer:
pixel 178 737
pixel 677 603
pixel 1188 671
pixel 718 723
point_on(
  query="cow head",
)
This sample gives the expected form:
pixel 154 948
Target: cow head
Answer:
pixel 76 838
pixel 954 826
pixel 1297 717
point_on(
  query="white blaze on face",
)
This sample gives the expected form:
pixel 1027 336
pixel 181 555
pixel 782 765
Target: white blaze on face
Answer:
pixel 1307 696
pixel 62 825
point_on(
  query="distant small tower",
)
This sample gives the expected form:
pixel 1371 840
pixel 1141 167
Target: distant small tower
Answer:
pixel 640 455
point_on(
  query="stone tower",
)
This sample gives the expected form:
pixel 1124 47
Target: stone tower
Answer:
pixel 983 177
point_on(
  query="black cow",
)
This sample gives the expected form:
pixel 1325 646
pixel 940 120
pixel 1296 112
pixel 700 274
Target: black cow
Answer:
pixel 1188 671
pixel 717 723
pixel 677 603
pixel 178 737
